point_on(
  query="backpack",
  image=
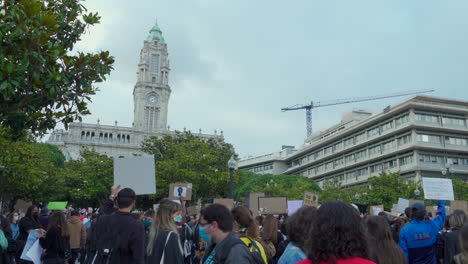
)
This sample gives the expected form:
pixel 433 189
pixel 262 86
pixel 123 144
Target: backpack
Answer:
pixel 255 251
pixel 106 249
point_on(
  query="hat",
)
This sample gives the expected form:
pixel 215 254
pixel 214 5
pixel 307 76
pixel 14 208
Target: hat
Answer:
pixel 126 193
pixel 418 206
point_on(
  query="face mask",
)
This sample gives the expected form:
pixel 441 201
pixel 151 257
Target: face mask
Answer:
pixel 16 218
pixel 177 220
pixel 147 223
pixel 36 215
pixel 281 221
pixel 242 230
pixel 204 235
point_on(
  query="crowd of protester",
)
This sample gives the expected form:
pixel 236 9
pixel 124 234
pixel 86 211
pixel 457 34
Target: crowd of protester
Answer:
pixel 335 232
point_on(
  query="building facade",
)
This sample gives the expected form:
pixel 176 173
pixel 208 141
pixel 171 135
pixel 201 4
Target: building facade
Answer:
pixel 151 95
pixel 421 137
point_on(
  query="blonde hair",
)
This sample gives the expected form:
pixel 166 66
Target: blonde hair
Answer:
pixel 162 221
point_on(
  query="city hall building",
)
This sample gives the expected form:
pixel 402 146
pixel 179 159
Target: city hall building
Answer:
pixel 420 137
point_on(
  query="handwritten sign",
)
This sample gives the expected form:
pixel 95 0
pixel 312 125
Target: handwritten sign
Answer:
pixel 180 190
pixel 310 199
pixel 438 189
pixel 402 205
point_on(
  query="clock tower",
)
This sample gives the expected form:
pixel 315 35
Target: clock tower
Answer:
pixel 151 92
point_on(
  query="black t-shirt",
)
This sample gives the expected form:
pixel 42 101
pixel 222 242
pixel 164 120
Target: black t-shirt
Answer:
pixel 25 225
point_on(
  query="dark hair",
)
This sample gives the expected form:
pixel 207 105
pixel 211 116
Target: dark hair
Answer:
pixel 244 219
pixel 464 242
pixel 381 243
pixel 29 214
pixel 11 215
pixel 299 225
pixel 149 213
pixel 125 198
pixel 259 220
pixel 220 214
pixel 270 229
pixel 337 233
pixel 57 220
pixel 74 213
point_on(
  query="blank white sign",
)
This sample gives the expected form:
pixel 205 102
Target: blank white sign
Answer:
pixel 438 189
pixel 137 173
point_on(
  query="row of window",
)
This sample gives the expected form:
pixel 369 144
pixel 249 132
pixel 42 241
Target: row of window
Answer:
pixel 104 137
pixel 438 159
pixel 438 139
pixel 261 168
pixel 430 118
pixel 352 140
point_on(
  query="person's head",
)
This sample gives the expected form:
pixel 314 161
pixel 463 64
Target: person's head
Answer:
pixel 338 233
pixel 33 212
pixel 418 211
pixel 75 213
pixel 259 220
pixel 57 220
pixel 378 228
pixel 270 229
pixel 164 220
pixel 464 241
pixel 381 241
pixel 215 222
pixel 244 224
pixel 126 199
pixel 149 214
pixel 299 225
pixel 458 219
pixel 14 217
pixel 45 212
pixel 408 212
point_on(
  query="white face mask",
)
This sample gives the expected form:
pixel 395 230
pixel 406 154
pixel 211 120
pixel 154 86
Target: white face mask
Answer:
pixel 16 218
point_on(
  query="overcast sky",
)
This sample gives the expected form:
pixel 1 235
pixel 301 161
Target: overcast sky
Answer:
pixel 235 64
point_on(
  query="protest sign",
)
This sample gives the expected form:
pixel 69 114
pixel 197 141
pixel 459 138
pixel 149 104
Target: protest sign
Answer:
pixel 310 199
pixel 32 238
pixel 438 189
pixel 56 205
pixel 253 202
pixel 273 205
pixel 22 206
pixel 35 253
pixel 402 205
pixel 137 173
pixel 180 190
pixel 293 206
pixel 192 210
pixel 229 203
pixel 376 209
pixel 459 205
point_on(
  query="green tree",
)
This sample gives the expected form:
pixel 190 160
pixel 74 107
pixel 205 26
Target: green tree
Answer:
pixel 291 186
pixel 184 157
pixel 460 189
pixel 40 82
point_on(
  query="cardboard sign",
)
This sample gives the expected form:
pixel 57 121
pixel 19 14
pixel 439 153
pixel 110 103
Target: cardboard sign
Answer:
pixel 310 199
pixel 293 206
pixel 376 209
pixel 22 206
pixel 229 203
pixel 57 205
pixel 273 205
pixel 137 173
pixel 438 189
pixel 180 190
pixel 402 205
pixel 192 210
pixel 459 205
pixel 253 202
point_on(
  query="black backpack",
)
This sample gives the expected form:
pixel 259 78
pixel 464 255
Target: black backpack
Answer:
pixel 106 248
pixel 255 251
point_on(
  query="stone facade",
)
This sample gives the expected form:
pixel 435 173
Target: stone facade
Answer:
pixel 151 96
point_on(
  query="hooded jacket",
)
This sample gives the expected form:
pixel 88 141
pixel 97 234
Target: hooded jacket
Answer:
pixel 230 251
pixel 77 232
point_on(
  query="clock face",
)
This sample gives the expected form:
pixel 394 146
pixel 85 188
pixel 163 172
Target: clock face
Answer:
pixel 152 99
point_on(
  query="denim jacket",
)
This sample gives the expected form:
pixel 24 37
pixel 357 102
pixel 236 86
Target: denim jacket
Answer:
pixel 292 254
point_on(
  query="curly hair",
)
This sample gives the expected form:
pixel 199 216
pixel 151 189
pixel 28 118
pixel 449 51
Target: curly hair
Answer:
pixel 337 233
pixel 299 224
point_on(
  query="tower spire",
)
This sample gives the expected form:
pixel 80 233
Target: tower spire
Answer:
pixel 155 33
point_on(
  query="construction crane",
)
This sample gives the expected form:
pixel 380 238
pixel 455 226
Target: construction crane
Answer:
pixel 312 105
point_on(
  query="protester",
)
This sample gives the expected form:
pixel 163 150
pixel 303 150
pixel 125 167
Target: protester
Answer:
pixel 337 235
pixel 119 237
pixel 163 241
pixel 7 244
pixel 216 225
pixel 271 238
pixel 13 219
pixel 418 239
pixel 298 228
pixel 247 230
pixel 56 241
pixel 44 217
pixel 77 235
pixel 382 248
pixel 148 219
pixel 29 222
pixel 449 241
pixel 462 258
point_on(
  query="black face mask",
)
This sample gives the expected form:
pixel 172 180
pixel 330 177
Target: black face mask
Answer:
pixel 36 215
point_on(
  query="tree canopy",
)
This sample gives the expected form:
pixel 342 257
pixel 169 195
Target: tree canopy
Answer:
pixel 41 83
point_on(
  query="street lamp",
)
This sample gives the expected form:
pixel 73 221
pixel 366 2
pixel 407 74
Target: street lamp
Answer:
pixel 232 165
pixel 417 192
pixel 357 196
